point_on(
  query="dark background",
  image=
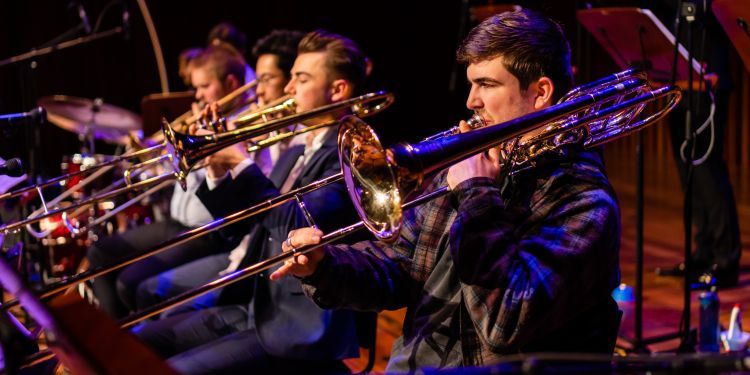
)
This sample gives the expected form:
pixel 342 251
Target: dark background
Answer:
pixel 412 44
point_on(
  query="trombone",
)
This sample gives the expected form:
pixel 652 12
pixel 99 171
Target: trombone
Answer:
pixel 183 151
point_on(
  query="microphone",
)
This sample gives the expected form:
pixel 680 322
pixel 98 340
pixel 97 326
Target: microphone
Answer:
pixel 37 115
pixel 84 18
pixel 12 168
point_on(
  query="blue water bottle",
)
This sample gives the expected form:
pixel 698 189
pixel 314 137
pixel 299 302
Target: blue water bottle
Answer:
pixel 708 330
pixel 625 299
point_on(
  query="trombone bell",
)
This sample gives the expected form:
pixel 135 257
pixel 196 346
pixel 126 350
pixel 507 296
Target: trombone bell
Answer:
pixel 370 178
pixel 176 154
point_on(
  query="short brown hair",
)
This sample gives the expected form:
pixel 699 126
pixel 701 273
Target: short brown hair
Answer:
pixel 531 45
pixel 223 60
pixel 282 44
pixel 184 59
pixel 345 58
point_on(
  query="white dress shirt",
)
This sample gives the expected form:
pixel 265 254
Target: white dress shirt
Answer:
pixel 236 255
pixel 185 207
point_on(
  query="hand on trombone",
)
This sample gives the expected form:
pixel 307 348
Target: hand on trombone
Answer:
pixel 301 265
pixel 221 162
pixel 484 164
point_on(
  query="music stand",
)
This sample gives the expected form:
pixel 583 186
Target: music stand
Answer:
pixel 83 338
pixel 155 107
pixel 634 37
pixel 734 16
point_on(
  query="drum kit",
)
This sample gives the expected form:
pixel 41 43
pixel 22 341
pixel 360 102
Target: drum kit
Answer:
pixel 93 121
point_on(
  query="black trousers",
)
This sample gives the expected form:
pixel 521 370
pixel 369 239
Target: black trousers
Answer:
pixel 219 340
pixel 181 279
pixel 116 291
pixel 717 235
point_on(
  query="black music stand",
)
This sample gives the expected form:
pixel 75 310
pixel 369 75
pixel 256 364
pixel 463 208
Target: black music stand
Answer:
pixel 83 338
pixel 635 38
pixel 734 17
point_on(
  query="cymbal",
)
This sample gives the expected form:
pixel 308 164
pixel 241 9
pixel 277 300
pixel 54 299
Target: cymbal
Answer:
pixel 105 122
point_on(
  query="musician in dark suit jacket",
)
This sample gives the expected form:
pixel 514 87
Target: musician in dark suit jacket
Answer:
pixel 280 330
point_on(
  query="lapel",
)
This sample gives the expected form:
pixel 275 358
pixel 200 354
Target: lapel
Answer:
pixel 285 164
pixel 311 170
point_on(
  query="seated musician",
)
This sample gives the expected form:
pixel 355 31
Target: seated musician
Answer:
pixel 504 264
pixel 280 330
pixel 215 72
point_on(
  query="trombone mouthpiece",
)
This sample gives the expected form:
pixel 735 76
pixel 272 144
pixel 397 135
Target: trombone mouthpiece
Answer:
pixel 476 121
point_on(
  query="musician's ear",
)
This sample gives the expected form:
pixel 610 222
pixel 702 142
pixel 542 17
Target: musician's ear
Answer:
pixel 542 90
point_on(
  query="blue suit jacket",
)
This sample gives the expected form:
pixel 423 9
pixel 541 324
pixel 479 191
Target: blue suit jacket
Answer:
pixel 289 324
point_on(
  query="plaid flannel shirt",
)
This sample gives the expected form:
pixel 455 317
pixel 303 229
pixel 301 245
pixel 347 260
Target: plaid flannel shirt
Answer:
pixel 484 271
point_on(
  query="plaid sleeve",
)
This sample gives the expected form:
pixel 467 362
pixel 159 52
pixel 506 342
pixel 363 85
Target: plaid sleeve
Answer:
pixel 525 271
pixel 367 276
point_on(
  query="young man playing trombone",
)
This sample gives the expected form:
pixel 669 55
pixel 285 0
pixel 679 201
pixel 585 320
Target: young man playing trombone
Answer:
pixel 280 330
pixel 501 265
pixel 215 72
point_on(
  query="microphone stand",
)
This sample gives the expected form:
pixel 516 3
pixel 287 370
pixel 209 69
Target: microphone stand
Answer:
pixel 687 10
pixel 55 46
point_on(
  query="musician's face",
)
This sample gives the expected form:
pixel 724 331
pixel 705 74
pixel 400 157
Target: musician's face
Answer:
pixel 271 79
pixel 310 84
pixel 496 93
pixel 208 87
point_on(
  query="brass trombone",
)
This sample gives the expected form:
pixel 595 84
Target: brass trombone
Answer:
pixel 183 157
pixel 378 179
pixel 183 151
